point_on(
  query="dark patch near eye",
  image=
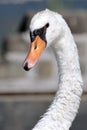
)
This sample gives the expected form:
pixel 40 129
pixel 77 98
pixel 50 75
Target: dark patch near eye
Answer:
pixel 47 25
pixel 35 32
pixel 32 37
pixel 41 32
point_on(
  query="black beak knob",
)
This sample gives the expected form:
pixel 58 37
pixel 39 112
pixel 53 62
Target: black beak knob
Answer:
pixel 26 66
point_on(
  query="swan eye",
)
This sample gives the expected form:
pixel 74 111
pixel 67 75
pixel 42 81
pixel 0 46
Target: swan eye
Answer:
pixel 47 25
pixel 41 32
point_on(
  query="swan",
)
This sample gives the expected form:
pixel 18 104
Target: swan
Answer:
pixel 48 28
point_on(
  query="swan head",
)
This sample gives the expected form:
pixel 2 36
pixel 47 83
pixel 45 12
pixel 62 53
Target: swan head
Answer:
pixel 44 31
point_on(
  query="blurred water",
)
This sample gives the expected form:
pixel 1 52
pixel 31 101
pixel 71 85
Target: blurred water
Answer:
pixel 11 15
pixel 23 112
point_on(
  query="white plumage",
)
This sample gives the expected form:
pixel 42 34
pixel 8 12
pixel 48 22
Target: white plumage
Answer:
pixel 63 110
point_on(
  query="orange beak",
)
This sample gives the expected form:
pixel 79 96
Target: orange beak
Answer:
pixel 37 47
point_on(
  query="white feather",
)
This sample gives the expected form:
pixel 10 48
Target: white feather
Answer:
pixel 63 110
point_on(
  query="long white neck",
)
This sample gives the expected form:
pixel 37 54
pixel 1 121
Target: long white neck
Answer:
pixel 62 112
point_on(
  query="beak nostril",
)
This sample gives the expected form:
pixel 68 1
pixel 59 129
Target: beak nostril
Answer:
pixel 26 66
pixel 35 47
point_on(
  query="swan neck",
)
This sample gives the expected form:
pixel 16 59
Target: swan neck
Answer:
pixel 64 108
pixel 67 60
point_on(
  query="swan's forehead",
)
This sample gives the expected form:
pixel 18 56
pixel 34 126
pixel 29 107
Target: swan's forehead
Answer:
pixel 39 20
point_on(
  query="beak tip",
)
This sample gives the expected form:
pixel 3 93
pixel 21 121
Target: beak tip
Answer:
pixel 26 68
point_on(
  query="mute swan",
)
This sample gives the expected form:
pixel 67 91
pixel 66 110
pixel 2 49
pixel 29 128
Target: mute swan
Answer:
pixel 49 28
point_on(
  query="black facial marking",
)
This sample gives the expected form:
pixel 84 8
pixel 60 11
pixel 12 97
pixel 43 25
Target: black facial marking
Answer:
pixel 47 25
pixel 41 32
pixel 32 37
